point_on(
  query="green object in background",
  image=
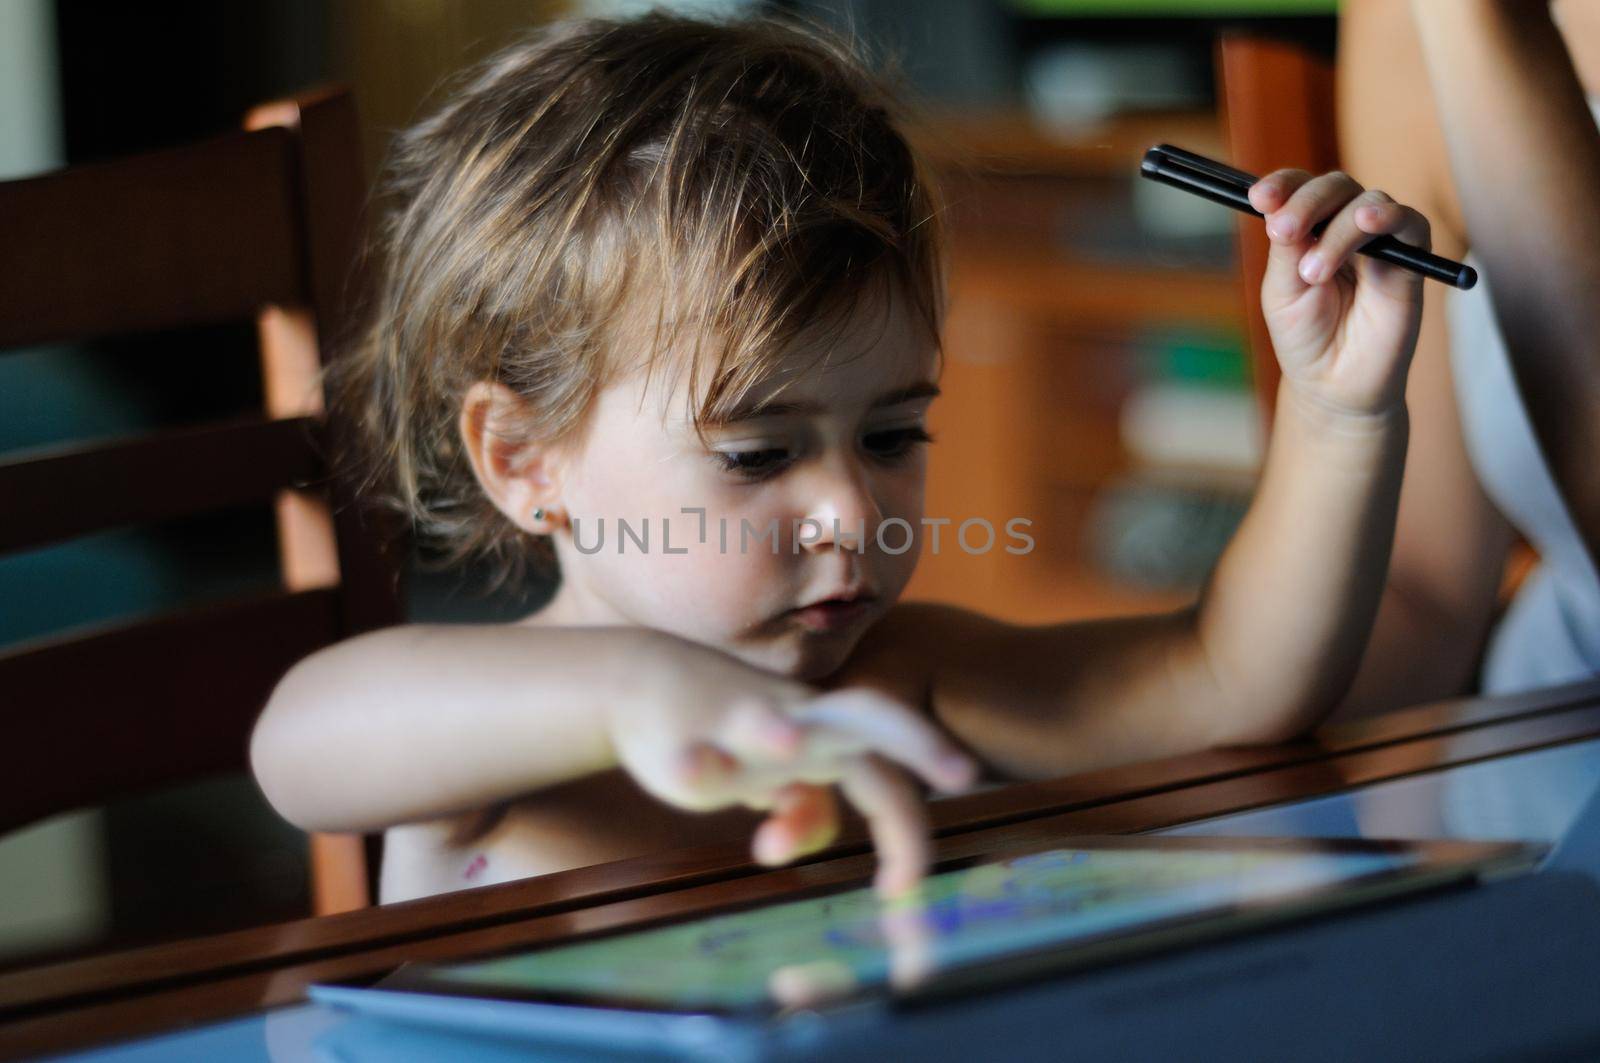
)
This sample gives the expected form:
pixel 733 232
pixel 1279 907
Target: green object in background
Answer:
pixel 1173 8
pixel 1197 357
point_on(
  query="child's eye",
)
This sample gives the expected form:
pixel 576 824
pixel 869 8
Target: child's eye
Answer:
pixel 751 464
pixel 896 442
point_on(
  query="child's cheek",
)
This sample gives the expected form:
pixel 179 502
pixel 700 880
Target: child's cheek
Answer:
pixel 708 590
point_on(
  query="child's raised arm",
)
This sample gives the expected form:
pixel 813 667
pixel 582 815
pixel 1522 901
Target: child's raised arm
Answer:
pixel 1279 630
pixel 418 723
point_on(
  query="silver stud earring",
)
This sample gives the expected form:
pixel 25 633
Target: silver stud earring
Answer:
pixel 538 513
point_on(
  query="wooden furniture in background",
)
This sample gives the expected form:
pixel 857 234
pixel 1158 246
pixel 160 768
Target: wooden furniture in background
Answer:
pixel 1277 111
pixel 1039 355
pixel 258 224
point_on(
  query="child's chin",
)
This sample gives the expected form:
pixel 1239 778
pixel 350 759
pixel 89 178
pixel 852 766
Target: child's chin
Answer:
pixel 811 660
pixel 807 658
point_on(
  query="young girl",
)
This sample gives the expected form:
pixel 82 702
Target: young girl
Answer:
pixel 686 277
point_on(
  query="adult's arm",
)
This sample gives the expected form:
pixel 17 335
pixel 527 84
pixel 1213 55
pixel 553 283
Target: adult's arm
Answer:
pixel 1525 155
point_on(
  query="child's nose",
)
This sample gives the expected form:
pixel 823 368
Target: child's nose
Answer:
pixel 841 508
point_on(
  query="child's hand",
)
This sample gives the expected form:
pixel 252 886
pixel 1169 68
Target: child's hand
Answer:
pixel 1343 324
pixel 709 731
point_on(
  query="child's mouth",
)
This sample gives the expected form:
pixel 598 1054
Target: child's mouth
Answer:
pixel 833 614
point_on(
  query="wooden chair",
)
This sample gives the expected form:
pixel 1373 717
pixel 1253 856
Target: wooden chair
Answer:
pixel 258 224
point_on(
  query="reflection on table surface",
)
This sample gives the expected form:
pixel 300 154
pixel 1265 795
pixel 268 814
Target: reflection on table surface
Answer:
pixel 1530 796
pixel 1534 796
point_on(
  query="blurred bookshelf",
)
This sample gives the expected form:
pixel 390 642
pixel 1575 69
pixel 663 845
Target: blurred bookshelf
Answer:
pixel 1096 379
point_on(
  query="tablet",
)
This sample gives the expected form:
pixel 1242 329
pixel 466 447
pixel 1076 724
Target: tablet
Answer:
pixel 979 925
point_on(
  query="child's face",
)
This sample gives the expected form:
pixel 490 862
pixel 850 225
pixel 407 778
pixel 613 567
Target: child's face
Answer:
pixel 845 446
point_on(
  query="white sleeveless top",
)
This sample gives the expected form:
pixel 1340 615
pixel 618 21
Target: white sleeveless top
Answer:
pixel 1551 633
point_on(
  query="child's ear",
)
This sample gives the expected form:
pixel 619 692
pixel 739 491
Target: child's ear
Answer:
pixel 523 479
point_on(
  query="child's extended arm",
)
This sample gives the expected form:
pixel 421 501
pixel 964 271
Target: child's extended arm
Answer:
pixel 418 723
pixel 1279 630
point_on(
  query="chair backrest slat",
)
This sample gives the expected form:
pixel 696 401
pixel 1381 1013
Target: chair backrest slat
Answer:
pixel 74 708
pixel 261 224
pixel 153 478
pixel 191 235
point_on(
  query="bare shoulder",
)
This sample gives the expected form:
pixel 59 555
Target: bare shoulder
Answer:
pixel 946 647
pixel 935 619
pixel 901 653
pixel 1580 27
pixel 930 628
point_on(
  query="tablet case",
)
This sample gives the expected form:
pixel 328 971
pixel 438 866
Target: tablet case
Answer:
pixel 1504 969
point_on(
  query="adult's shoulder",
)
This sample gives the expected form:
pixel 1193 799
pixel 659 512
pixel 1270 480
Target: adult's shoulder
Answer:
pixel 1579 21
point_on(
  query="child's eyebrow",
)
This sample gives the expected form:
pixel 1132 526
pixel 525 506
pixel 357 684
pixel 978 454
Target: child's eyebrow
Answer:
pixel 781 409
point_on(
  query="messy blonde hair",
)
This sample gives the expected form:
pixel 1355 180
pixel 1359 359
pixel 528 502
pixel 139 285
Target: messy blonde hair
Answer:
pixel 748 177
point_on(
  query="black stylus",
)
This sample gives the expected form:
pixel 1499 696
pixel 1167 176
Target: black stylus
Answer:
pixel 1223 184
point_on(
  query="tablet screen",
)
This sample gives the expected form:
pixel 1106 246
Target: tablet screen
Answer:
pixel 803 952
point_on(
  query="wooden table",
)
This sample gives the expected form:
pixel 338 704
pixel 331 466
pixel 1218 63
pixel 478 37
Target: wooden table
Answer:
pixel 99 999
